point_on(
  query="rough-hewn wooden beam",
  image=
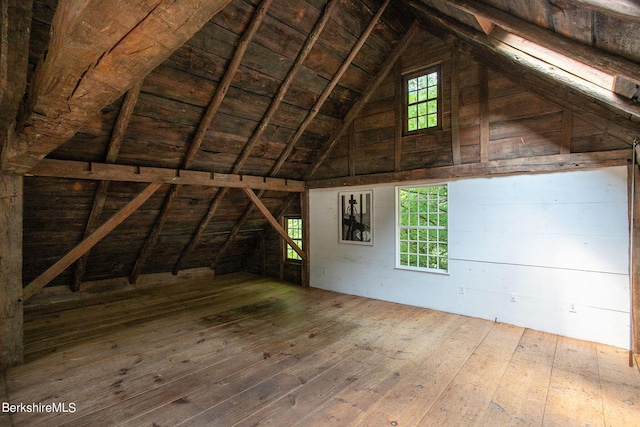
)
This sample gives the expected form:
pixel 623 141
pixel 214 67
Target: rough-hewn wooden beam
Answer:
pixel 274 222
pixel 635 259
pixel 11 348
pixel 542 70
pixel 202 227
pixel 114 172
pixel 596 58
pixel 306 223
pixel 15 25
pixel 282 209
pixel 484 113
pixel 117 136
pixel 627 10
pixel 75 253
pixel 455 108
pixel 566 133
pixel 327 91
pixel 534 74
pixel 201 131
pixel 98 49
pixel 537 164
pixel 286 83
pixel 362 101
pixel 284 87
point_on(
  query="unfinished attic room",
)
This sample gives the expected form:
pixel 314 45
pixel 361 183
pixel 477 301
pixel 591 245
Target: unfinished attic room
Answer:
pixel 319 212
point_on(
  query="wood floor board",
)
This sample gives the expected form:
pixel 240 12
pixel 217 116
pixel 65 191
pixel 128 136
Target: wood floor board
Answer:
pixel 575 396
pixel 620 388
pixel 468 395
pixel 262 341
pixel 248 351
pixel 522 393
pixel 408 401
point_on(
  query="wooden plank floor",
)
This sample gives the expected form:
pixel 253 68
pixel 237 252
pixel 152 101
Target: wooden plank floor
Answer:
pixel 245 350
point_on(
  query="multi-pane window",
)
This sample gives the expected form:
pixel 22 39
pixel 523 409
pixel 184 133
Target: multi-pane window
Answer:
pixel 293 227
pixel 422 96
pixel 423 228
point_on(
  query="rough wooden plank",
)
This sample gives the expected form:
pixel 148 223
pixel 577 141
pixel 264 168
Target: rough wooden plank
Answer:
pixel 116 172
pixel 484 114
pixel 117 136
pixel 567 132
pixel 455 108
pixel 399 115
pixel 620 386
pixel 98 49
pixel 575 395
pixel 15 20
pixel 330 86
pixel 552 163
pixel 247 350
pixel 359 105
pixel 522 393
pixel 596 58
pixel 306 238
pixel 202 226
pixel 274 223
pixel 574 94
pixel 42 280
pixel 469 394
pixel 634 218
pixel 286 84
pixel 11 298
pixel 623 9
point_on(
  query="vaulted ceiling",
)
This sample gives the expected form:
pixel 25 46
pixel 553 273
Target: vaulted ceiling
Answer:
pixel 120 94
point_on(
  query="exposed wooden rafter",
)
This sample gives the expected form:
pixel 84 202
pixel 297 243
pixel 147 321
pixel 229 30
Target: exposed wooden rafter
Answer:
pixel 98 49
pixel 117 136
pixel 362 101
pixel 274 222
pixel 539 77
pixel 286 83
pixel 15 23
pixel 628 10
pixel 327 91
pixel 593 57
pixel 89 242
pixel 203 126
pixel 257 134
pixel 305 123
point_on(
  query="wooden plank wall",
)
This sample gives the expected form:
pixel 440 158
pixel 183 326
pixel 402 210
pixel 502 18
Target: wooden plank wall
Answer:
pixel 520 124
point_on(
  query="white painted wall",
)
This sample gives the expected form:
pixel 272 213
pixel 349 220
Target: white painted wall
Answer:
pixel 558 241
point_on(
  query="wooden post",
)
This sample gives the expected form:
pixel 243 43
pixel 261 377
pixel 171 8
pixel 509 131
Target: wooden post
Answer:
pixel 455 108
pixel 305 277
pixel 484 114
pixel 635 262
pixel 11 350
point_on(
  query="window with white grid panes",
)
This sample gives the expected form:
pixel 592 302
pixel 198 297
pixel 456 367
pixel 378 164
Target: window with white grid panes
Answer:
pixel 293 226
pixel 422 231
pixel 422 100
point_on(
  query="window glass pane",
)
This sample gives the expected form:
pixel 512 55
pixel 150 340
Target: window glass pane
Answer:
pixel 423 242
pixel 433 92
pixel 293 228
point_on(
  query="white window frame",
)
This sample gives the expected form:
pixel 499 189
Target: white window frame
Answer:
pixel 288 249
pixel 399 237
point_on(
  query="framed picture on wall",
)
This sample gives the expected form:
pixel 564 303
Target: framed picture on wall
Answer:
pixel 355 210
